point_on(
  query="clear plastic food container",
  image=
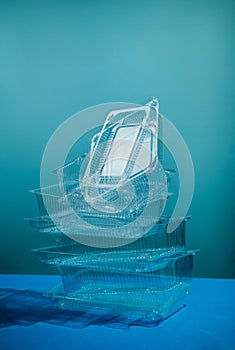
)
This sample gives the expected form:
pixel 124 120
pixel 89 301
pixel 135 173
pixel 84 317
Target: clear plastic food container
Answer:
pixel 152 245
pixel 72 215
pixel 128 307
pixel 161 274
pixel 68 176
pixel 67 193
pixel 141 298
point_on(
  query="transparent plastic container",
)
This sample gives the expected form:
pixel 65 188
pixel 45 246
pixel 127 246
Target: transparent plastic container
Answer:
pixel 69 176
pixel 71 215
pixel 134 298
pixel 156 243
pixel 161 274
pixel 65 199
pixel 130 306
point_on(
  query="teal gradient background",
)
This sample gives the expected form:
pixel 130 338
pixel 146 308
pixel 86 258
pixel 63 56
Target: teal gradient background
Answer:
pixel 58 57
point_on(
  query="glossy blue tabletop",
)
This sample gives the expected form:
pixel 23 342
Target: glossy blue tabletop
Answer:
pixel 207 322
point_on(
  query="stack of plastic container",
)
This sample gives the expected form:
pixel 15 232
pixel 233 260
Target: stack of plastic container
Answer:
pixel 106 217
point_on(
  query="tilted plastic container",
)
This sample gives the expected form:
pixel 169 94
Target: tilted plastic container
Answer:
pixel 43 224
pixel 125 147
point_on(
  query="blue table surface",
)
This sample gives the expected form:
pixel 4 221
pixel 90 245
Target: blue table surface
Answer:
pixel 207 322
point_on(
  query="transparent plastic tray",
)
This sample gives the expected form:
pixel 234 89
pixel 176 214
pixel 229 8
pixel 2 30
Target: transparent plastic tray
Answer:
pixel 131 307
pixel 95 219
pixel 162 274
pixel 66 204
pixel 63 206
pixel 65 196
pixel 69 176
pixel 73 217
pixel 154 244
